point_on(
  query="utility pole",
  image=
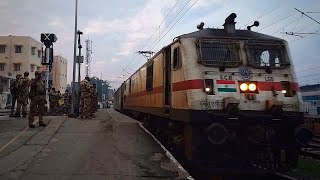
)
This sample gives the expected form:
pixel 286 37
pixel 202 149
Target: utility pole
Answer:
pixel 73 97
pixel 48 40
pixel 88 56
pixel 101 88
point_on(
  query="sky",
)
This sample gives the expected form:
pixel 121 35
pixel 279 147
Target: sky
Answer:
pixel 120 28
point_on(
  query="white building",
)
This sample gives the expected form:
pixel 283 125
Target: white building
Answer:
pixel 17 55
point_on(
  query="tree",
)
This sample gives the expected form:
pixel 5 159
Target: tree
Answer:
pixel 102 87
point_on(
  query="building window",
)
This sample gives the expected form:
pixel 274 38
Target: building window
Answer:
pixel 33 50
pixel 149 79
pixel 39 53
pixel 2 66
pixel 2 48
pixel 18 48
pixel 32 67
pixel 17 67
pixel 176 59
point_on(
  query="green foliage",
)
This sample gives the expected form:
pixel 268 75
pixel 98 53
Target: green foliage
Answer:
pixel 102 86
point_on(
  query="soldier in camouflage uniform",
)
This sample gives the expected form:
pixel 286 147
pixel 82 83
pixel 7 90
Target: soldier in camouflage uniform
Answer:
pixel 14 89
pixel 93 99
pixel 66 102
pixel 52 97
pixel 38 98
pixel 23 85
pixel 84 106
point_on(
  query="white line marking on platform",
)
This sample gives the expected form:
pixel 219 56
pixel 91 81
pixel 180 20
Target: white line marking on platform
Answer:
pixel 15 138
pixel 170 156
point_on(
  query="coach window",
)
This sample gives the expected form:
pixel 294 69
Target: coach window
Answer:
pixel 176 59
pixel 149 79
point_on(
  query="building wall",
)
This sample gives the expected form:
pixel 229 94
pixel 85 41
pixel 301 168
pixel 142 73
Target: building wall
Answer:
pixel 59 73
pixel 25 59
pixel 311 94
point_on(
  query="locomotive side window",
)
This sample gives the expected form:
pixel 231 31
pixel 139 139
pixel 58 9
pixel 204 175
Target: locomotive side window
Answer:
pixel 176 59
pixel 149 79
pixel 267 54
pixel 220 53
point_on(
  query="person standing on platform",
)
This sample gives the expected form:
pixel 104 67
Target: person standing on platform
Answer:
pixel 84 105
pixel 14 90
pixel 38 97
pixel 23 85
pixel 66 102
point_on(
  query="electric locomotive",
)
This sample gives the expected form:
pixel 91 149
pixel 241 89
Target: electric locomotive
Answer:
pixel 225 99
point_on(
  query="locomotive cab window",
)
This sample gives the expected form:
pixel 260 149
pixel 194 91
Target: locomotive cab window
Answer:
pixel 214 53
pixel 267 54
pixel 149 79
pixel 176 59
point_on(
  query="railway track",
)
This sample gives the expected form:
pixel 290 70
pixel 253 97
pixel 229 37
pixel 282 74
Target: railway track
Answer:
pixel 312 150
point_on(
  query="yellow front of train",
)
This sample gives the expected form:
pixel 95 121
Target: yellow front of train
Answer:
pixel 243 91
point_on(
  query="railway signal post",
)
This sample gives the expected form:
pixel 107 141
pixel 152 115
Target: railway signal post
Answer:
pixel 48 39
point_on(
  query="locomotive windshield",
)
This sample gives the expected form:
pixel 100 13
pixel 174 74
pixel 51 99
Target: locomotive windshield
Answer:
pixel 220 53
pixel 266 54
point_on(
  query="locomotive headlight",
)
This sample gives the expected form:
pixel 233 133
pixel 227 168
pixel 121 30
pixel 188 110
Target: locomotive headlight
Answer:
pixel 244 87
pixel 252 87
pixel 208 89
pixel 284 91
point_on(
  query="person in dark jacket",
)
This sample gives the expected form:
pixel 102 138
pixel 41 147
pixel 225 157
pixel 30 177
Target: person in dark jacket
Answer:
pixel 14 90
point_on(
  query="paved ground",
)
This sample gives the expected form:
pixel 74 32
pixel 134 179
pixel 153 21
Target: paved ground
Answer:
pixel 111 146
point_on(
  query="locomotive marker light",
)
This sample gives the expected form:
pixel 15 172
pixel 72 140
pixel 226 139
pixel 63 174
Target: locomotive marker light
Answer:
pixel 208 86
pixel 252 87
pixel 244 87
pixel 248 87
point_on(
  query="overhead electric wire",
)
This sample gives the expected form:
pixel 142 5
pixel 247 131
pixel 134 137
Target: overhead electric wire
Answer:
pixel 163 32
pixel 298 18
pixel 154 31
pixel 314 33
pixel 173 24
pixel 170 23
pixel 277 22
pixel 266 13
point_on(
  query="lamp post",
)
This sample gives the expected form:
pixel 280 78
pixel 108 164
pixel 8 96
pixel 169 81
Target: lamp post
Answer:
pixel 79 68
pixel 72 114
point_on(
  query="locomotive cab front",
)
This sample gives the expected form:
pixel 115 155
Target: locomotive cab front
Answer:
pixel 248 105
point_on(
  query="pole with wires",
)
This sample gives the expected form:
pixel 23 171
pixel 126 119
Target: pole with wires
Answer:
pixel 73 97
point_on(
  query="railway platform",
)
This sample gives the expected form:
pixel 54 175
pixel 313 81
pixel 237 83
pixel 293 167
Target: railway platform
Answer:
pixel 110 146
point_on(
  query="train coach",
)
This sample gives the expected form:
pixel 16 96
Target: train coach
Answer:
pixel 223 98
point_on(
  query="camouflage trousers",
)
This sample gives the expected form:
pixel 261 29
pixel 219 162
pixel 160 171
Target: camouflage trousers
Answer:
pixel 84 106
pixel 22 103
pixel 37 107
pixel 13 104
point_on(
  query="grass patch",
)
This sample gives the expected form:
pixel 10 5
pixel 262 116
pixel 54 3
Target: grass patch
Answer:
pixel 309 167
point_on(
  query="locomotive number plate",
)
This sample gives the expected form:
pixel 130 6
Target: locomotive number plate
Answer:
pixel 290 106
